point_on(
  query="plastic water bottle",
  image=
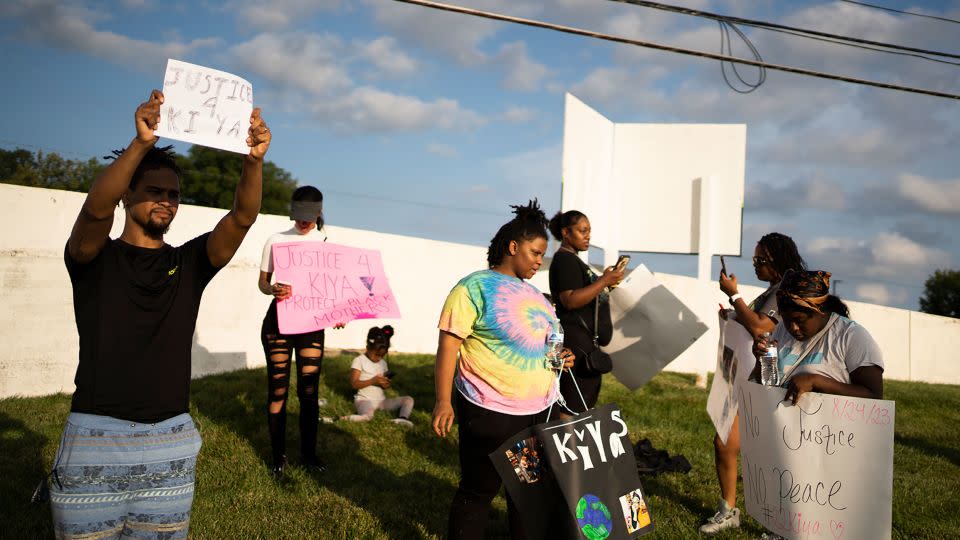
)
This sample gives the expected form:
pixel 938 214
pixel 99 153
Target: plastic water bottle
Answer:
pixel 554 346
pixel 769 375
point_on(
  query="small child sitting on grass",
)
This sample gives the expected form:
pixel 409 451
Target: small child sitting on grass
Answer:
pixel 369 376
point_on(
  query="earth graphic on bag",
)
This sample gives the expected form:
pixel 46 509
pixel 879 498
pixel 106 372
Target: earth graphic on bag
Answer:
pixel 593 518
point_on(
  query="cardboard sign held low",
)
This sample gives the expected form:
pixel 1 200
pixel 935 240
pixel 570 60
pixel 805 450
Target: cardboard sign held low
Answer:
pixel 582 469
pixel 330 284
pixel 822 468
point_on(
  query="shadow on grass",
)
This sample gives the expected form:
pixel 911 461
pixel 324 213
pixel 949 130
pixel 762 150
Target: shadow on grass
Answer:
pixel 408 505
pixel 931 449
pixel 21 468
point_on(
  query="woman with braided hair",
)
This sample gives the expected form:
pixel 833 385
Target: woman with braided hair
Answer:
pixel 774 255
pixel 493 329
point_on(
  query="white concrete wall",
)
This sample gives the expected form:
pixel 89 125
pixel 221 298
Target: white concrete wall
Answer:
pixel 38 330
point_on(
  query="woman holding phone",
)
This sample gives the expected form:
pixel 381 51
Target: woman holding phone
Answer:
pixel 306 212
pixel 773 256
pixel 576 291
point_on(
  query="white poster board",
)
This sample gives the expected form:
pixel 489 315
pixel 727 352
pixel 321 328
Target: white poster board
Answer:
pixel 651 327
pixel 205 106
pixel 636 181
pixel 735 361
pixel 820 469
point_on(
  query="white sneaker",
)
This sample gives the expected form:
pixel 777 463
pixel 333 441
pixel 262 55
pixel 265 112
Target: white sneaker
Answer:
pixel 403 422
pixel 771 536
pixel 725 518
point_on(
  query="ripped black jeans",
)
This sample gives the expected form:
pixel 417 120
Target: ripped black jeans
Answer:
pixel 279 350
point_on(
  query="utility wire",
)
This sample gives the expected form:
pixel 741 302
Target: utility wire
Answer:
pixel 768 25
pixel 668 48
pixel 915 14
pixel 726 46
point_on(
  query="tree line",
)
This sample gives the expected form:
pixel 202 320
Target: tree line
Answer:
pixel 209 176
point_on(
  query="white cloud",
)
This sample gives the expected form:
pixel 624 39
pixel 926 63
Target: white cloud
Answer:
pixel 893 254
pixel 522 72
pixel 885 256
pixel 384 54
pixel 277 14
pixel 518 115
pixel 877 293
pixel 368 109
pixel 940 197
pixel 309 63
pixel 455 36
pixel 442 150
pixel 313 70
pixel 816 192
pixel 71 28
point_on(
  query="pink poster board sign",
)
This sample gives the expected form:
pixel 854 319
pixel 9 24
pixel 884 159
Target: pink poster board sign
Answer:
pixel 330 284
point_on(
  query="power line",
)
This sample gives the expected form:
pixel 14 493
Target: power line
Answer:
pixel 771 26
pixel 915 14
pixel 668 48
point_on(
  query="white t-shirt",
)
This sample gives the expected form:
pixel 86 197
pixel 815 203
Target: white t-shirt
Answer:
pixel 844 348
pixel 291 235
pixel 369 369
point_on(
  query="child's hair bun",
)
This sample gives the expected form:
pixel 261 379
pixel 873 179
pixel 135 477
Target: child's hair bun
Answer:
pixel 379 337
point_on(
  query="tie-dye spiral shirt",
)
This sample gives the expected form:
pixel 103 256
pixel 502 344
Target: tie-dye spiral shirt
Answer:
pixel 504 323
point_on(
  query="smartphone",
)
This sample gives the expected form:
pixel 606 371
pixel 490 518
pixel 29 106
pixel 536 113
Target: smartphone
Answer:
pixel 622 262
pixel 723 266
pixel 389 374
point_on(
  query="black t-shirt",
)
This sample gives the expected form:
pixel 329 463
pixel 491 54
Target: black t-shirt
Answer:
pixel 136 309
pixel 568 272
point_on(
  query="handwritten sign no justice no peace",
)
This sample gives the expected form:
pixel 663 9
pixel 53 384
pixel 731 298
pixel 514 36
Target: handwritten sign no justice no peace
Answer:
pixel 820 469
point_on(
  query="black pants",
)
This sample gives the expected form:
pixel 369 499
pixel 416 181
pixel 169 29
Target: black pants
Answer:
pixel 279 350
pixel 481 432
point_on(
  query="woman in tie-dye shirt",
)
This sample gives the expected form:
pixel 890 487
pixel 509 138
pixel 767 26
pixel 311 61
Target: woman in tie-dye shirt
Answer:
pixel 496 324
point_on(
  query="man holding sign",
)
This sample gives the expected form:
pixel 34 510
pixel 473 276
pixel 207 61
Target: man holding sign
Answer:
pixel 127 458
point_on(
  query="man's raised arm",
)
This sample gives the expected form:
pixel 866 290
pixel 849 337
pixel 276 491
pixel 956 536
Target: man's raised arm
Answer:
pixel 92 227
pixel 226 237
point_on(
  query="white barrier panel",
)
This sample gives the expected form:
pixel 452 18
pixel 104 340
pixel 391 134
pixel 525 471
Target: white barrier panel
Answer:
pixel 820 469
pixel 39 333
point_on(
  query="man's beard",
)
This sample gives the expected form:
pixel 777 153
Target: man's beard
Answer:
pixel 154 229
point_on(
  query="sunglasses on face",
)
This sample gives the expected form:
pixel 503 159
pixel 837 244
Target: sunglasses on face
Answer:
pixel 760 261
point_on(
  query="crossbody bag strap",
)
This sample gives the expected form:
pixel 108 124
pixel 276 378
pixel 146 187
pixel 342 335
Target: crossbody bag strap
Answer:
pixel 596 316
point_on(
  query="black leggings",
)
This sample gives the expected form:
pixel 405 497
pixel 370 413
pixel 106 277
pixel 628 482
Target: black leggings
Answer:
pixel 481 432
pixel 279 349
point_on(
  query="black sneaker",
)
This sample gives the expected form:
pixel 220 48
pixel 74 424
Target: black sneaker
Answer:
pixel 278 466
pixel 313 463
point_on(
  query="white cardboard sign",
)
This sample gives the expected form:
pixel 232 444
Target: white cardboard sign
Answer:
pixel 205 106
pixel 735 361
pixel 651 327
pixel 820 469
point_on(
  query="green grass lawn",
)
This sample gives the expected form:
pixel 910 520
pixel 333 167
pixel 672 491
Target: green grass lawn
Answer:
pixel 389 482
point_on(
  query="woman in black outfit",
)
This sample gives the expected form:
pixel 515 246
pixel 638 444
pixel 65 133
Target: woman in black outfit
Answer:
pixel 576 289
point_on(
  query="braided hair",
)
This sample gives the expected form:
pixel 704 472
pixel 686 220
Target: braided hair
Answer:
pixel 529 222
pixel 562 220
pixel 157 157
pixel 783 253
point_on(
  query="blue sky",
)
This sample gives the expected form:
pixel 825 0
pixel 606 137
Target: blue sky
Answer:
pixel 430 124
